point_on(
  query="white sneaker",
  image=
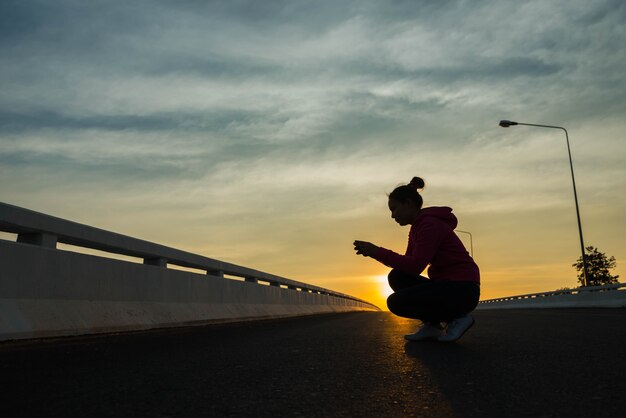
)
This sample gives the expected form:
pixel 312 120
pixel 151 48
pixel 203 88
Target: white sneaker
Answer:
pixel 427 331
pixel 457 328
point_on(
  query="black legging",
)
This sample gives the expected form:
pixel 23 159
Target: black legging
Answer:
pixel 430 301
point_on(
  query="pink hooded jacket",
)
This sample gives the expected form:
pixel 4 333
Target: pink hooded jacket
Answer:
pixel 432 241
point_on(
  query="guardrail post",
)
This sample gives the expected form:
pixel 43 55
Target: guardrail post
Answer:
pixel 218 273
pixel 38 238
pixel 275 284
pixel 156 261
pixel 252 280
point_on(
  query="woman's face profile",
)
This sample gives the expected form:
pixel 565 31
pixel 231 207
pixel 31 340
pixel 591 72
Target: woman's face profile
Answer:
pixel 403 212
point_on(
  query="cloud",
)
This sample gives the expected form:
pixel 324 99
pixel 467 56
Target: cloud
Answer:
pixel 215 59
pixel 269 126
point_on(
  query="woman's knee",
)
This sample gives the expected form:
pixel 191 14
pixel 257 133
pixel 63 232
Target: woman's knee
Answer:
pixel 398 305
pixel 392 303
pixel 394 279
pixel 400 280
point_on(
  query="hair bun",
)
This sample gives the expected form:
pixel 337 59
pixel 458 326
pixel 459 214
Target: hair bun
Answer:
pixel 417 183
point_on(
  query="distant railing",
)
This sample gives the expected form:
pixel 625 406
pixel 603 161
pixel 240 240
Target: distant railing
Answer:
pixel 543 296
pixel 44 230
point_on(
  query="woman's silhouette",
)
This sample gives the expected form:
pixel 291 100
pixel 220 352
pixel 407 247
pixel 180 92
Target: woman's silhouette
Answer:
pixel 443 301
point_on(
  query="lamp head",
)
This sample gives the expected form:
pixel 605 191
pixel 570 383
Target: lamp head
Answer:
pixel 507 123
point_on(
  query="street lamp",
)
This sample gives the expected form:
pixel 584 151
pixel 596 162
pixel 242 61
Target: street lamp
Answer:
pixel 506 124
pixel 471 241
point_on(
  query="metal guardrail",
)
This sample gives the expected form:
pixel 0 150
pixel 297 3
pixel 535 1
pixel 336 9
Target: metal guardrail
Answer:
pixel 575 291
pixel 44 230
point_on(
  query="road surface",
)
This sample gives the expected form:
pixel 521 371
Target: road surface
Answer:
pixel 512 363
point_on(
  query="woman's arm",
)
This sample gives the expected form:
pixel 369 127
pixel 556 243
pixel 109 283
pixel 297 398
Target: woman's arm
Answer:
pixel 427 239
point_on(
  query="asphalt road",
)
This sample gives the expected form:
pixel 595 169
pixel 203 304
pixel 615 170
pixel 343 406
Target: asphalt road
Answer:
pixel 536 363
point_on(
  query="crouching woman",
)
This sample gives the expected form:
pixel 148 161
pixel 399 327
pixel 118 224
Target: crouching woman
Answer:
pixel 443 301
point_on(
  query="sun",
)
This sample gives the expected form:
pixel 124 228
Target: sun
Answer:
pixel 385 289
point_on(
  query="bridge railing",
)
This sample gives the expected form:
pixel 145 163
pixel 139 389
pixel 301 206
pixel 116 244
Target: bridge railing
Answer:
pixel 613 295
pixel 44 230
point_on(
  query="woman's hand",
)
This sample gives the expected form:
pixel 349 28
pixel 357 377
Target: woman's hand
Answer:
pixel 364 248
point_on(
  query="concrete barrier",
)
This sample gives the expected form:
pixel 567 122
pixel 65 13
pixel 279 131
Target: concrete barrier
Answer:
pixel 46 291
pixel 609 296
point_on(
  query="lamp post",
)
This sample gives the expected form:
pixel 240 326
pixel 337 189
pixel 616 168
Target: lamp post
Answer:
pixel 506 124
pixel 471 241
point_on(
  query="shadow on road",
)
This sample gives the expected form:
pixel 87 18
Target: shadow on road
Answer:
pixel 531 363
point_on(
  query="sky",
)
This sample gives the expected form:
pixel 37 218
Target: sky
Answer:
pixel 268 134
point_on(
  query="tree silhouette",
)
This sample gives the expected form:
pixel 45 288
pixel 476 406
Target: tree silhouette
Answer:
pixel 598 266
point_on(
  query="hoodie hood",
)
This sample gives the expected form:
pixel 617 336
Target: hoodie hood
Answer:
pixel 443 213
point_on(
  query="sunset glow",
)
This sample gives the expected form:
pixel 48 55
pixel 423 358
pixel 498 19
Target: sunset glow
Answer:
pixel 267 134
